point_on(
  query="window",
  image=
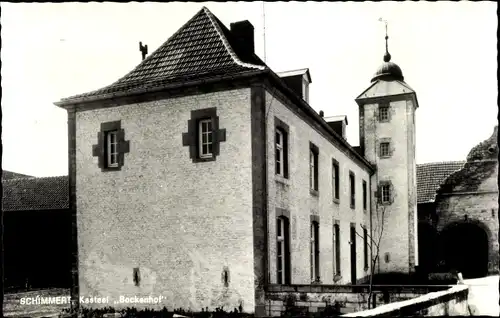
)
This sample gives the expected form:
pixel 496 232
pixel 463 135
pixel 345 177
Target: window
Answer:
pixel 204 136
pixel 281 143
pixel 111 146
pixel 386 193
pixel 136 276
pixel 111 149
pixel 314 251
pixel 313 165
pixel 365 244
pixel 205 140
pixel 352 186
pixel 383 112
pixel 336 249
pixel 365 196
pixel 335 179
pixel 279 153
pixel 385 149
pixel 283 252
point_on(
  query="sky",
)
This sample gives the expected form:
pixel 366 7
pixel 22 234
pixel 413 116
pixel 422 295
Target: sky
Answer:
pixel 447 51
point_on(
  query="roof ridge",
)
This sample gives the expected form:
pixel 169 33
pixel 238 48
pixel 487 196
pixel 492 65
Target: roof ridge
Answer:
pixel 440 162
pixel 155 52
pixel 225 41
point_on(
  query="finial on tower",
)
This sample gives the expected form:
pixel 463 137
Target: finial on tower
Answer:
pixel 387 56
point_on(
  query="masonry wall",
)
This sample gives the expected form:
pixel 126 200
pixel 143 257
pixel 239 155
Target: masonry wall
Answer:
pixel 293 195
pixel 479 206
pixel 181 223
pixel 398 251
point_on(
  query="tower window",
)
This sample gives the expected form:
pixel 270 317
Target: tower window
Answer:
pixel 385 150
pixel 383 112
pixel 385 192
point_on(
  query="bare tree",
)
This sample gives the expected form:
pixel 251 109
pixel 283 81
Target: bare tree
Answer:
pixel 374 237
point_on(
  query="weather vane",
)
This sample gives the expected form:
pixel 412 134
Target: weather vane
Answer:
pixel 387 56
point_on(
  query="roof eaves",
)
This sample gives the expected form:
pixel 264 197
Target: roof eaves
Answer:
pixel 321 121
pixel 174 85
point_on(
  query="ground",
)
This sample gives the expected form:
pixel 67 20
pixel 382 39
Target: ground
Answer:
pixel 483 300
pixel 13 308
pixel 483 296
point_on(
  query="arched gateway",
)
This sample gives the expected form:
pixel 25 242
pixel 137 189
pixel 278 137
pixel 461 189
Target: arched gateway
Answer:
pixel 464 248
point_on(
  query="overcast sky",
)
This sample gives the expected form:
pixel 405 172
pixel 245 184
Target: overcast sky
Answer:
pixel 447 51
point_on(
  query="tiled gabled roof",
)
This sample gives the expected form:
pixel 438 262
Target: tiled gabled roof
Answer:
pixel 26 194
pixel 201 48
pixel 431 175
pixel 7 175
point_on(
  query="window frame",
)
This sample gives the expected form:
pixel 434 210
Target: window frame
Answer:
pixel 384 112
pixel 283 129
pixel 103 152
pixel 365 195
pixel 314 251
pixel 335 180
pixel 382 196
pixel 313 168
pixel 352 190
pixel 337 260
pixel 110 154
pixel 365 247
pixel 208 133
pixel 192 138
pixel 388 148
pixel 283 275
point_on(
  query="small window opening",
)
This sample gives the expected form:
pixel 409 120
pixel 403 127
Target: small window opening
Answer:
pixel 137 276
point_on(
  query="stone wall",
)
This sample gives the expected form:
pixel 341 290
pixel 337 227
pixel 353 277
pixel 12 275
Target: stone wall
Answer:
pixel 311 298
pixel 450 302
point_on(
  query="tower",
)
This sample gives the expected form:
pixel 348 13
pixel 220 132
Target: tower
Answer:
pixel 387 139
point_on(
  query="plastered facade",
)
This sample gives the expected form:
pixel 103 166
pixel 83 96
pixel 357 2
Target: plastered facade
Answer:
pixel 293 194
pixel 181 223
pixel 398 246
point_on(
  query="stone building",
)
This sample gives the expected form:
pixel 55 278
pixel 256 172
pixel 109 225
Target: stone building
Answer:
pixel 204 176
pixel 461 210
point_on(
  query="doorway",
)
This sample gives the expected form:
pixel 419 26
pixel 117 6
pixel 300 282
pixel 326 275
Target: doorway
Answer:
pixel 465 249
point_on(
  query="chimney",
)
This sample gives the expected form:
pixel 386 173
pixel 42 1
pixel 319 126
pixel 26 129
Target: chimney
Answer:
pixel 321 114
pixel 244 31
pixel 338 124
